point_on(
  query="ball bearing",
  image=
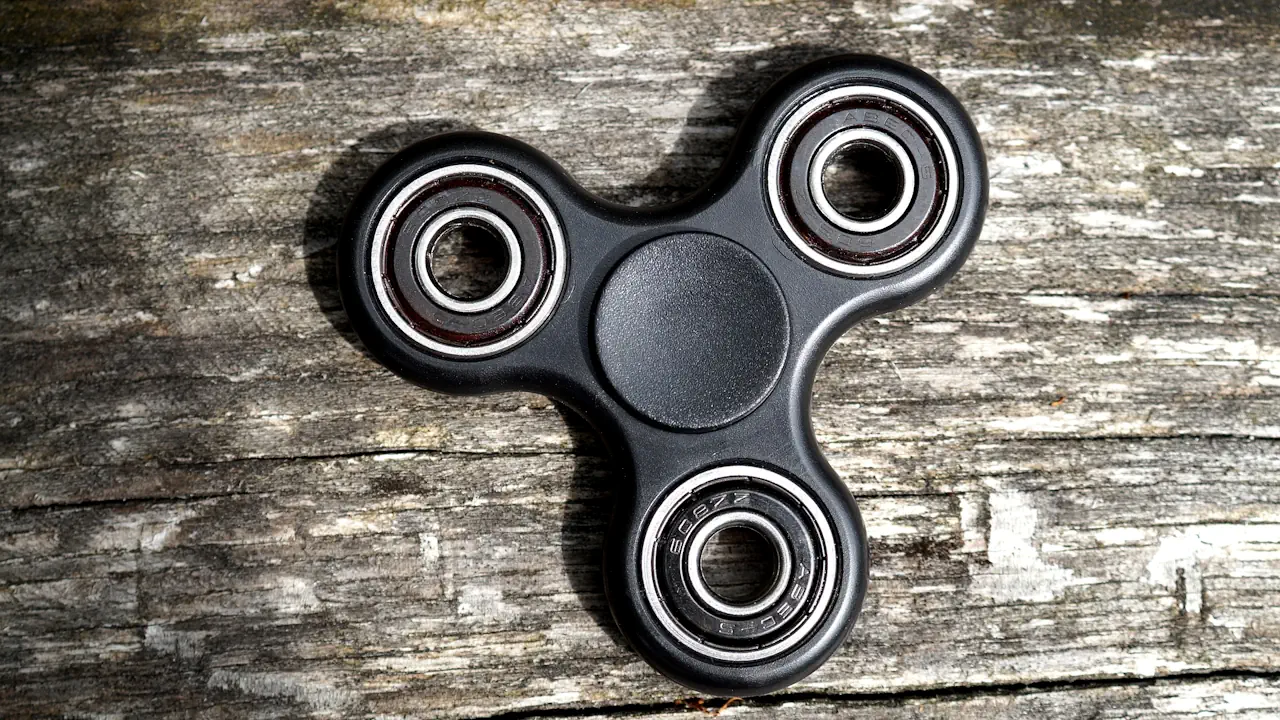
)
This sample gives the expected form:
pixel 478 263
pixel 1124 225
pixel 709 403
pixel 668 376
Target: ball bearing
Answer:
pixel 892 122
pixel 777 584
pixel 846 138
pixel 803 581
pixel 421 213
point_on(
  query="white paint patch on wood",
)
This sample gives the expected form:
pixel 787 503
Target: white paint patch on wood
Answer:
pixel 1205 349
pixel 973 530
pixel 991 347
pixel 1187 554
pixel 886 529
pixel 1017 572
pixel 947 379
pixel 182 644
pixel 1254 199
pixel 1057 423
pixel 1107 222
pixel 310 689
pixel 552 692
pixel 1010 167
pixel 418 664
pixel 911 13
pixel 1255 699
pixel 484 602
pixel 153 537
pixel 1078 308
pixel 294 595
pixel 429 550
pixel 348 525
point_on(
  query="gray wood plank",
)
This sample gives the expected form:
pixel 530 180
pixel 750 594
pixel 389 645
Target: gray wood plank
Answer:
pixel 214 503
pixel 1248 698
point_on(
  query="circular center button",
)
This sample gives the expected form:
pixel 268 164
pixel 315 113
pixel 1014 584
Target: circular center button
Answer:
pixel 692 331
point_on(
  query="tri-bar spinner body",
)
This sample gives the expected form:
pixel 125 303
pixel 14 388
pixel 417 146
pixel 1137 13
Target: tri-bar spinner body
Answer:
pixel 688 335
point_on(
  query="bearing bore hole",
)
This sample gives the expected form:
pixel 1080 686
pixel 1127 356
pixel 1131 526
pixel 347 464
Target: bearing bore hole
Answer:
pixel 862 181
pixel 739 564
pixel 468 260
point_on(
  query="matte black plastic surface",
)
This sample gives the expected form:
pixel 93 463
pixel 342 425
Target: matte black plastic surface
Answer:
pixel 691 331
pixel 689 336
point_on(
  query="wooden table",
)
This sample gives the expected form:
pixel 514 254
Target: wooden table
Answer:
pixel 215 504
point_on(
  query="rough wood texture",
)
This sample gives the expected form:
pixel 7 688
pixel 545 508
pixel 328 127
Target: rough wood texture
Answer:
pixel 214 504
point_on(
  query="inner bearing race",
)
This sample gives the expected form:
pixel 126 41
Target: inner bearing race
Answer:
pixel 745 519
pixel 436 229
pixel 838 142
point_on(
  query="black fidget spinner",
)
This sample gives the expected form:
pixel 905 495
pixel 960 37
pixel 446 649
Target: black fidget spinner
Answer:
pixel 689 336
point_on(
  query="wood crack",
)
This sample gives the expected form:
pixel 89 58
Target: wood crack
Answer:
pixel 949 692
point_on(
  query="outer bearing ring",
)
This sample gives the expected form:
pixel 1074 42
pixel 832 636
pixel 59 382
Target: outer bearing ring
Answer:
pixel 547 304
pixel 815 609
pixel 787 134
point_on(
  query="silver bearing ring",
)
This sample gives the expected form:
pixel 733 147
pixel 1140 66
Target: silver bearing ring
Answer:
pixel 843 139
pixel 923 213
pixel 418 215
pixel 780 509
pixel 744 519
pixel 436 230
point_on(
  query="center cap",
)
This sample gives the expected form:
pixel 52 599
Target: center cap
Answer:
pixel 692 331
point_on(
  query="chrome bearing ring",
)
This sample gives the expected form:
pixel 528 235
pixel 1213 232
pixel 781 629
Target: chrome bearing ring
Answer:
pixel 437 229
pixel 804 578
pixel 892 122
pixel 421 213
pixel 738 519
pixel 844 139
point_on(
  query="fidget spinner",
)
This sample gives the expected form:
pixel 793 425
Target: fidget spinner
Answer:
pixel 689 335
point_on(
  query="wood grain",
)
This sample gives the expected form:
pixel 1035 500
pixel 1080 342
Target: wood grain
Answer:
pixel 215 504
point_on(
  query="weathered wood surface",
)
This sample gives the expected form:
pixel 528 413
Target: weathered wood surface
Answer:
pixel 215 504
